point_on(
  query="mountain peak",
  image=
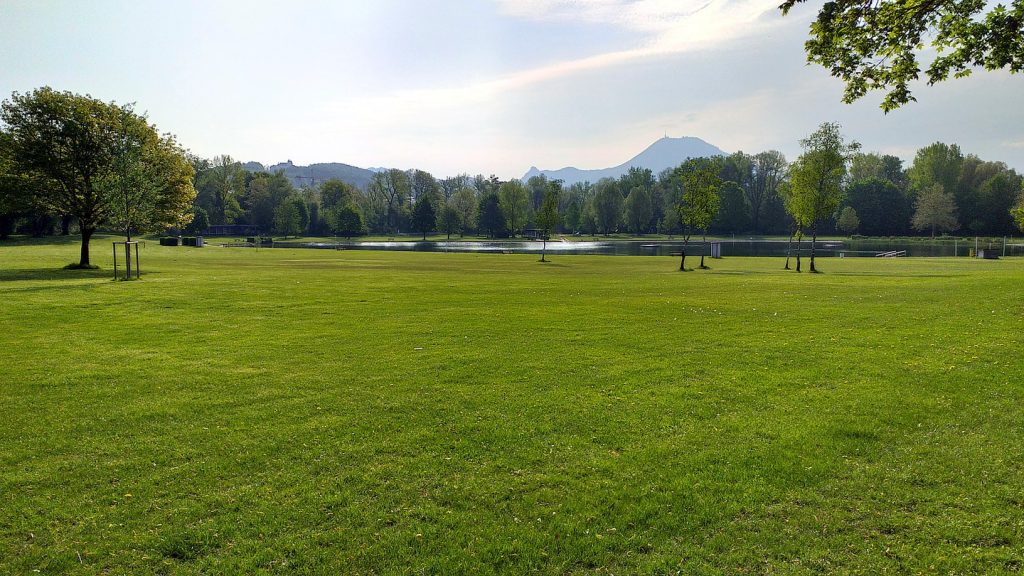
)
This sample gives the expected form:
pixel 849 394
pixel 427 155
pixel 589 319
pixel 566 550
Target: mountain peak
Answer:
pixel 665 152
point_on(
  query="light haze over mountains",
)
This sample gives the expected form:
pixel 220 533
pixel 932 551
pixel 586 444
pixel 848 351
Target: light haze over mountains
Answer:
pixel 664 153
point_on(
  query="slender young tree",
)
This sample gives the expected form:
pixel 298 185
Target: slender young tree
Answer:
pixel 547 216
pixel 699 203
pixel 816 179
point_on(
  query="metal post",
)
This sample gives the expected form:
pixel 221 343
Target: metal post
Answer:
pixel 137 271
pixel 114 245
pixel 127 260
pixel 1004 246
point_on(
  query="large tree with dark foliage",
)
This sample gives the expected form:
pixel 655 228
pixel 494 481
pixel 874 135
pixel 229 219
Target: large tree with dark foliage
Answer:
pixel 104 162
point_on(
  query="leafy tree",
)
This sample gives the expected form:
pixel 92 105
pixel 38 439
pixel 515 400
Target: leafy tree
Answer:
pixel 334 192
pixel 1018 212
pixel 934 210
pixel 264 194
pixel 607 205
pixel 937 163
pixel 881 207
pixel 468 208
pixel 149 180
pixel 224 183
pixel 874 166
pixel 453 184
pixel 547 216
pixel 200 221
pixel 73 140
pixel 448 220
pixel 797 225
pixel 572 201
pixel 670 188
pixel 636 177
pixel 423 216
pixel 734 212
pixel 423 185
pixel 17 189
pixel 287 220
pixel 536 188
pixel 816 178
pixel 514 205
pixel 769 169
pixel 700 201
pixel 995 198
pixel 492 218
pixel 347 220
pixel 848 221
pixel 875 45
pixel 390 190
pixel 639 209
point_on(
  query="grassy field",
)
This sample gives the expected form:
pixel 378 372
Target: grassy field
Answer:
pixel 322 412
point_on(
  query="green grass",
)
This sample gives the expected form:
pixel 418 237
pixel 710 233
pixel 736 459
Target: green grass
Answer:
pixel 323 412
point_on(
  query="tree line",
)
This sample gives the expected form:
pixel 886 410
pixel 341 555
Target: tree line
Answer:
pixel 943 190
pixel 69 162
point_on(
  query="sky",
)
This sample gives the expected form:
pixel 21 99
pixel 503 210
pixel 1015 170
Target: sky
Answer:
pixel 478 86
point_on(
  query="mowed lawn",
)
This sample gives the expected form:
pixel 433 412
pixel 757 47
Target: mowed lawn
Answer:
pixel 323 412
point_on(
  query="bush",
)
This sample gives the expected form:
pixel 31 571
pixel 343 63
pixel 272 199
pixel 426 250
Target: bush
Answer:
pixel 188 241
pixel 169 241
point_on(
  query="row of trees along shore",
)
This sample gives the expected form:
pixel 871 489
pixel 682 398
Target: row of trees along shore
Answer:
pixel 71 161
pixel 943 190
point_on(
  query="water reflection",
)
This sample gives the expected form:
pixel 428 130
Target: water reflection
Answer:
pixel 824 248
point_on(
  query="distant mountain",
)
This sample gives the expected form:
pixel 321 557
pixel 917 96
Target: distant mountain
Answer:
pixel 664 153
pixel 316 173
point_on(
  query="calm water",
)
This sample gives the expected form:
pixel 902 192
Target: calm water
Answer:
pixel 844 248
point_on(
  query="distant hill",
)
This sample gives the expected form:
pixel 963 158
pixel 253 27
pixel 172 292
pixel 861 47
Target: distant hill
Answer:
pixel 316 173
pixel 664 153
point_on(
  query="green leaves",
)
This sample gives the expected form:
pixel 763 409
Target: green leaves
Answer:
pixel 875 45
pixel 699 203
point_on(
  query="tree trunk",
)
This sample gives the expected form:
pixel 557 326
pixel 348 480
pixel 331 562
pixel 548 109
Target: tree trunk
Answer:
pixel 87 233
pixel 799 237
pixel 814 237
pixel 682 254
pixel 789 248
pixel 704 251
pixel 543 249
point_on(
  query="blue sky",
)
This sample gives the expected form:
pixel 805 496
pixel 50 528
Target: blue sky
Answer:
pixel 477 86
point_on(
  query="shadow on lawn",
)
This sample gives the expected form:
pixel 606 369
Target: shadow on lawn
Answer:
pixel 52 274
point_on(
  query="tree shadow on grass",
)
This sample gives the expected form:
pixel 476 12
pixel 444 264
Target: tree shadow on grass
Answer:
pixel 52 274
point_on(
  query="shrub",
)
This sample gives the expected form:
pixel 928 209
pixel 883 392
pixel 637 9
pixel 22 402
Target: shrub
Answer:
pixel 169 241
